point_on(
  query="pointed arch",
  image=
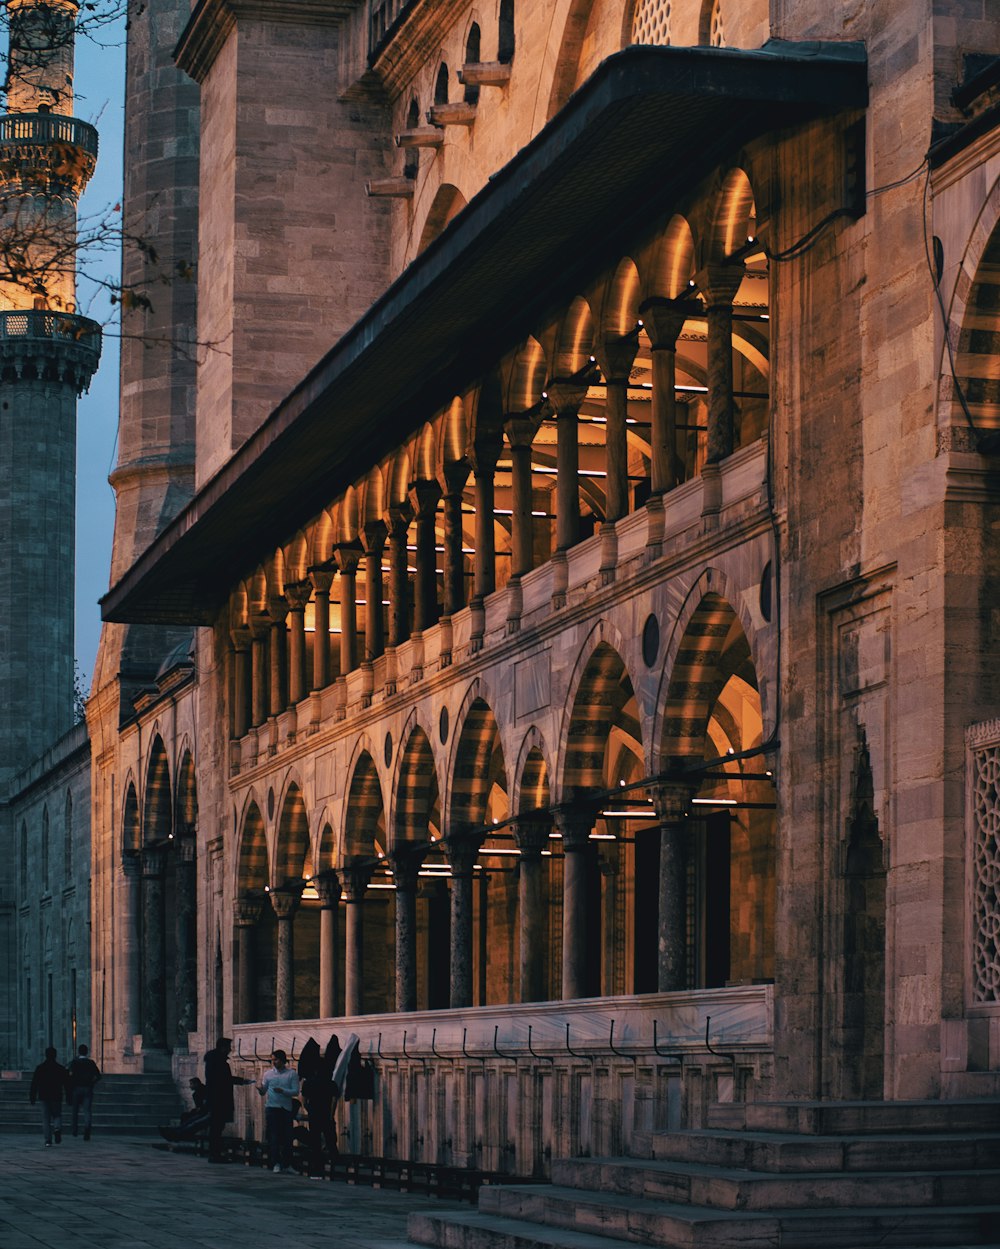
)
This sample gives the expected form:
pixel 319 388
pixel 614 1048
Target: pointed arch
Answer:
pixel 186 802
pixel 291 849
pixel 477 768
pixel 575 339
pixel 532 772
pixel 157 814
pixel 131 828
pixel 604 701
pixel 365 811
pixel 621 300
pixel 734 218
pixel 251 861
pixel 416 798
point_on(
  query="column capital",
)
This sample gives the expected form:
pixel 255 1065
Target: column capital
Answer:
pixel 664 319
pixel 404 863
pixel 719 281
pixel 285 901
pixel 672 800
pixel 566 394
pixel 373 535
pixel 347 556
pixel 400 516
pixel 616 354
pixel 277 609
pixel 456 474
pixel 354 881
pixel 328 887
pixel 298 595
pixel 485 451
pixel 322 579
pixel 260 626
pixel 424 496
pixel 152 861
pixel 246 911
pixel 520 428
pixel 241 637
pixel 531 835
pixel 575 821
pixel 462 849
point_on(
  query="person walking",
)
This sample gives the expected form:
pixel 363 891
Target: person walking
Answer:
pixel 219 1081
pixel 83 1076
pixel 48 1084
pixel 279 1086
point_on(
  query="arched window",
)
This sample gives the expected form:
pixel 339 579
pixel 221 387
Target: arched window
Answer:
pixel 505 48
pixel 68 840
pixel 411 162
pixel 711 32
pixel 472 55
pixel 45 849
pixel 441 86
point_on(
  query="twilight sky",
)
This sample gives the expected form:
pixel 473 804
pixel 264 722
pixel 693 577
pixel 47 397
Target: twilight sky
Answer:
pixel 100 93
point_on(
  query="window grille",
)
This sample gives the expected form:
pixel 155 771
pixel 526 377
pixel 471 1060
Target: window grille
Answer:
pixel 984 786
pixel 651 22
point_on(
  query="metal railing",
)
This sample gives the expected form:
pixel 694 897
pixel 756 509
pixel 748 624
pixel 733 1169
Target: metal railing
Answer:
pixel 44 325
pixel 48 128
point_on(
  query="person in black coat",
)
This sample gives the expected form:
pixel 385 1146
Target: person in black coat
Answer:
pixel 83 1076
pixel 319 1094
pixel 219 1081
pixel 48 1085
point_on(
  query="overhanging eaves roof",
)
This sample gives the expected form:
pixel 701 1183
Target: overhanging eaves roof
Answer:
pixel 648 124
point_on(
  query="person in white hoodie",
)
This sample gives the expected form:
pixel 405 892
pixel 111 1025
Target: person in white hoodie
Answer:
pixel 279 1085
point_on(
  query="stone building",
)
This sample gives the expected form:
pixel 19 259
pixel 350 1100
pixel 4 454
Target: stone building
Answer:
pixel 553 624
pixel 48 354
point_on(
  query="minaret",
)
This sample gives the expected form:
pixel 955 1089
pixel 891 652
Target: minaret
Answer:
pixel 47 356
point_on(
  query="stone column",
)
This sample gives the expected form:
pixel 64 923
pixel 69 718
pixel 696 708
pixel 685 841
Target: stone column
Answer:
pixel 532 837
pixel 718 283
pixel 285 902
pixel 462 850
pixel 321 579
pixel 129 945
pixel 616 356
pixel 373 542
pixel 298 596
pixel 259 671
pixel 664 320
pixel 241 682
pixel 277 610
pixel 246 915
pixel 520 433
pixel 405 866
pixel 347 557
pixel 485 454
pixel 186 936
pixel 328 887
pixel 672 806
pixel 399 577
pixel 575 822
pixel 354 882
pixel 154 1006
pixel 565 398
pixel 424 497
pixel 456 476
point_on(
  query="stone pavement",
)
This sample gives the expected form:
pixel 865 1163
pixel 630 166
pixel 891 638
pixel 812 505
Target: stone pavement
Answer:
pixel 121 1193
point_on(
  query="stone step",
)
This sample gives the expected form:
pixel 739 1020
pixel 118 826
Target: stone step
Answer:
pixel 781 1152
pixel 547 1220
pixel 857 1118
pixel 739 1189
pixel 643 1221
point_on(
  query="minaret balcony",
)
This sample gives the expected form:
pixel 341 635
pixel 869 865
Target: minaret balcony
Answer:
pixel 47 147
pixel 36 343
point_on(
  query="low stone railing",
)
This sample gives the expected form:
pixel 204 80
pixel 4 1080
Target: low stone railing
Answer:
pixel 48 128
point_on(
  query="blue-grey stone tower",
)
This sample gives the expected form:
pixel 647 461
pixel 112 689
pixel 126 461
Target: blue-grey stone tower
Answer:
pixel 48 354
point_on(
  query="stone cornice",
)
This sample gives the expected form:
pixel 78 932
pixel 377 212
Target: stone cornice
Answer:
pixel 417 38
pixel 212 21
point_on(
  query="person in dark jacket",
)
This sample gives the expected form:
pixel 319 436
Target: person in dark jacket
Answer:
pixel 319 1097
pixel 219 1081
pixel 48 1084
pixel 83 1076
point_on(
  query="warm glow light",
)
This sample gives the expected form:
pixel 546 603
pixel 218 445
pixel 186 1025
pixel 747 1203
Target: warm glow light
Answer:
pixel 714 802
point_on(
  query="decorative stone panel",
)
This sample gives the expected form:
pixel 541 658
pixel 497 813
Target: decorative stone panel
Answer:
pixel 983 790
pixel 651 22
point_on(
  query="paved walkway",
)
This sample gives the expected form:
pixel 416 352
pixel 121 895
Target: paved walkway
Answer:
pixel 120 1193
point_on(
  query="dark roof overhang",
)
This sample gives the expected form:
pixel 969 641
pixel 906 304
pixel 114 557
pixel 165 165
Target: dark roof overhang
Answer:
pixel 648 125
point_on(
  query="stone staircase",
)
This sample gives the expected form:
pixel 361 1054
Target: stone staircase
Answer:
pixel 797 1175
pixel 122 1104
